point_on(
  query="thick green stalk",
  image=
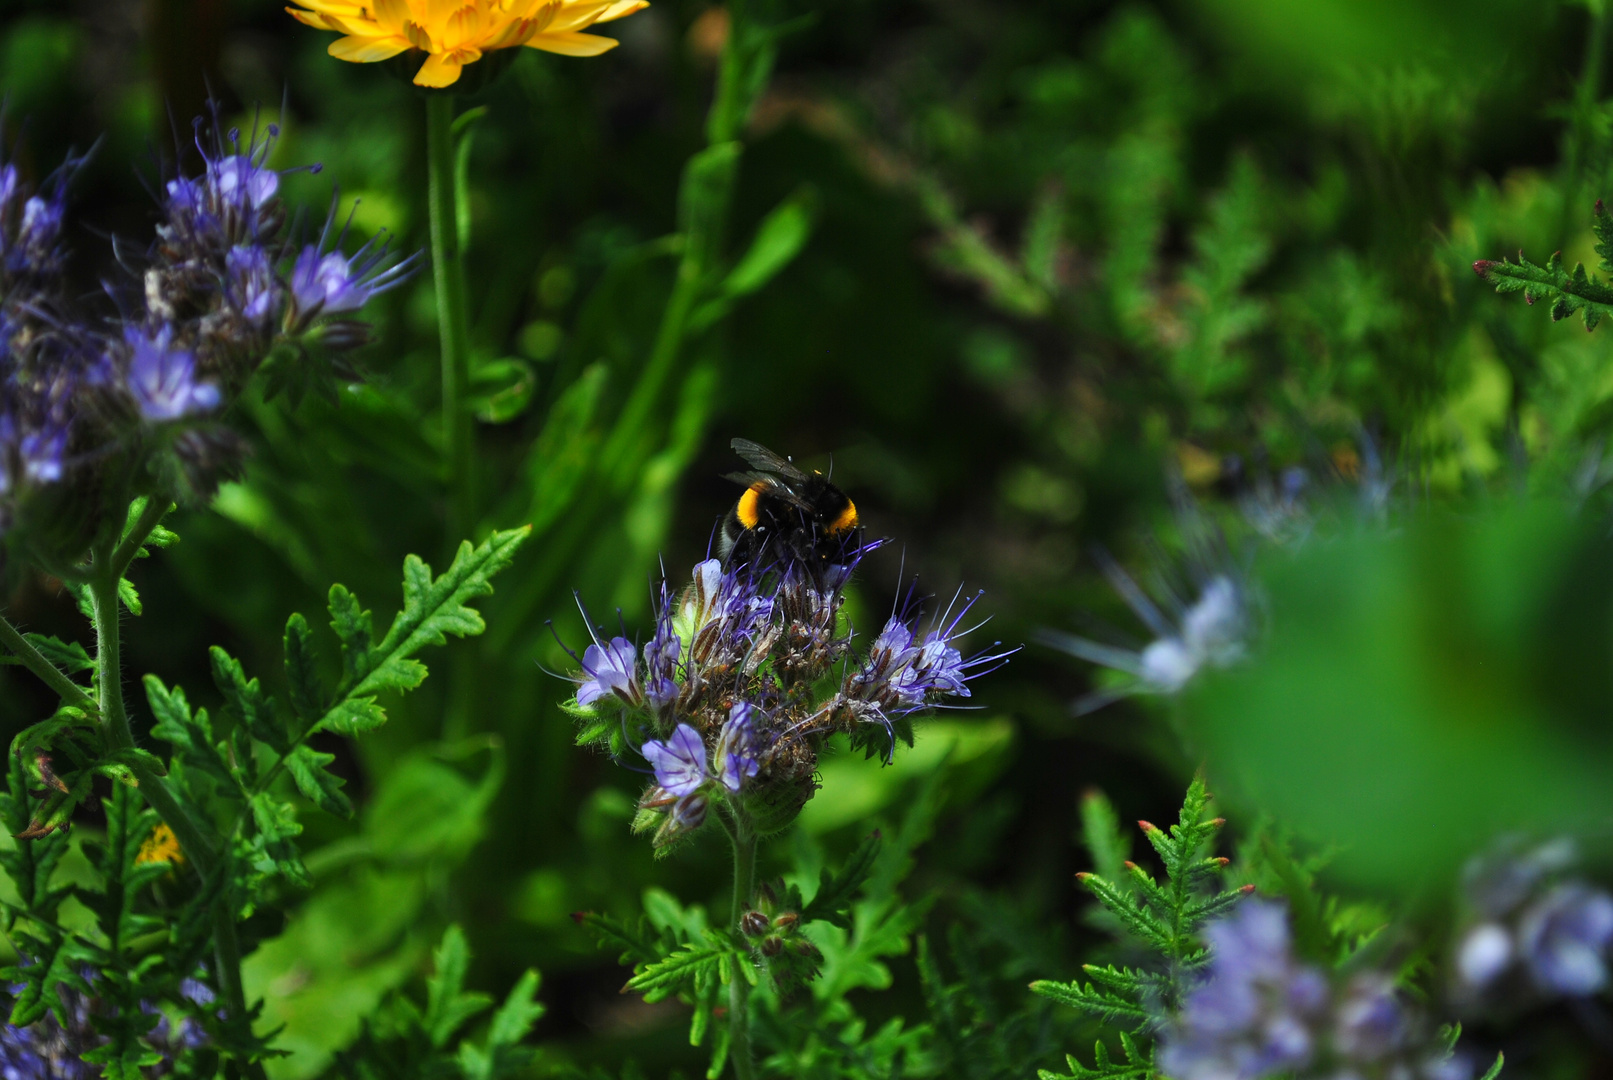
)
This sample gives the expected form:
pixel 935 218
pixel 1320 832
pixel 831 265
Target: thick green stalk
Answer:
pixel 453 331
pixel 453 327
pixel 739 1046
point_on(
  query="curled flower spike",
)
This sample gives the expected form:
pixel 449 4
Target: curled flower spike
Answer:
pixel 680 762
pixel 453 35
pixel 905 673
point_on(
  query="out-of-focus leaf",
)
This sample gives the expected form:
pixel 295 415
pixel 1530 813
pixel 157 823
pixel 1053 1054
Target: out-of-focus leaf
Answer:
pixel 1418 692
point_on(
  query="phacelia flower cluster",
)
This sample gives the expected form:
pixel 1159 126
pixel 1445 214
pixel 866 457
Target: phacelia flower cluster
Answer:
pixel 52 1050
pixel 99 404
pixel 1261 1011
pixel 1533 932
pixel 747 673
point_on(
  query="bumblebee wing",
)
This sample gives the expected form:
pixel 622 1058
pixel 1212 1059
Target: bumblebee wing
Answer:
pixel 769 484
pixel 762 458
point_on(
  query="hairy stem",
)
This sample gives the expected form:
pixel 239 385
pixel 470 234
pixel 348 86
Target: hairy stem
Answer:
pixel 739 1047
pixel 453 328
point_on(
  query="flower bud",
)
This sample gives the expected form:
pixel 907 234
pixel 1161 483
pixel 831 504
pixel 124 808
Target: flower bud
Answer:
pixel 753 924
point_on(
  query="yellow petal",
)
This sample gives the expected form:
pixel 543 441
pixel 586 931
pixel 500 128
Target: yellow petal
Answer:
pixel 392 14
pixel 623 8
pixel 578 16
pixel 442 69
pixel 338 8
pixel 314 19
pixel 367 50
pixel 573 44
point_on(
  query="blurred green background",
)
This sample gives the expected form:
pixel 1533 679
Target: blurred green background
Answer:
pixel 1059 250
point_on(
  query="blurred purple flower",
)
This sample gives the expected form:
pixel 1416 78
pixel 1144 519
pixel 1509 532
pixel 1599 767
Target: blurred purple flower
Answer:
pixel 252 284
pixel 163 378
pixel 1259 1009
pixel 1563 939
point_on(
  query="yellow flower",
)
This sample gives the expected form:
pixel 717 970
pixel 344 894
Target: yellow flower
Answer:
pixel 160 846
pixel 454 33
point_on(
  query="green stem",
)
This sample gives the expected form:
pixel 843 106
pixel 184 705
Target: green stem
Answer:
pixel 453 328
pixel 739 1046
pixel 68 690
pixel 200 848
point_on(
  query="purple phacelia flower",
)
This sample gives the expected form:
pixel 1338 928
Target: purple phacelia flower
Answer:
pixel 42 454
pixel 326 283
pixel 1532 924
pixel 722 612
pixel 661 656
pixel 241 179
pixel 737 752
pixel 904 673
pixel 252 285
pixel 680 762
pixel 610 669
pixel 162 378
pixel 1563 939
pixel 1258 1011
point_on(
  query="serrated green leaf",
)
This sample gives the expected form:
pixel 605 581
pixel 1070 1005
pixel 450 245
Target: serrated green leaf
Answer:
pixel 355 629
pixel 353 716
pixel 690 968
pixel 833 900
pixel 302 675
pixel 432 609
pixel 520 1011
pixel 246 699
pixel 307 767
pixel 190 735
pixel 1105 1005
pixel 636 945
pixel 69 656
pixel 447 1004
pixel 130 596
pixel 273 829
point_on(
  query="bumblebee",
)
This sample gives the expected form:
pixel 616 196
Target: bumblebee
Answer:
pixel 785 513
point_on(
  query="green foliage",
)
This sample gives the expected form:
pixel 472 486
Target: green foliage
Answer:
pixel 230 769
pixel 1166 917
pixel 1567 291
pixel 401 1041
pixel 1134 1065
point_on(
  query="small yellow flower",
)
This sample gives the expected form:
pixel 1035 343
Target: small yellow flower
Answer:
pixel 454 33
pixel 161 846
